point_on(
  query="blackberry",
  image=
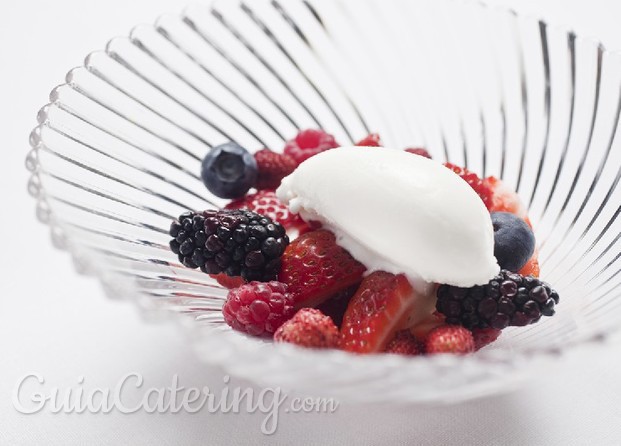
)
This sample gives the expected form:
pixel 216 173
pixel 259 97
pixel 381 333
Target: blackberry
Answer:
pixel 234 242
pixel 509 299
pixel 188 233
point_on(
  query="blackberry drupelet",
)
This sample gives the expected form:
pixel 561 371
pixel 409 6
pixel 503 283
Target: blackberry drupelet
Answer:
pixel 235 242
pixel 509 299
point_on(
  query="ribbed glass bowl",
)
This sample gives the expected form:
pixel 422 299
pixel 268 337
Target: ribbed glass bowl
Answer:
pixel 117 152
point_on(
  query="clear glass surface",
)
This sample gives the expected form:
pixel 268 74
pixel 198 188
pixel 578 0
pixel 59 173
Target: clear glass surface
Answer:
pixel 117 152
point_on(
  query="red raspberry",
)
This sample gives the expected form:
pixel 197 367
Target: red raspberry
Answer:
pixel 315 268
pixel 404 344
pixel 371 140
pixel 309 328
pixel 265 202
pixel 273 167
pixel 449 339
pixel 419 151
pixel 309 143
pixel 484 336
pixel 480 187
pixel 258 308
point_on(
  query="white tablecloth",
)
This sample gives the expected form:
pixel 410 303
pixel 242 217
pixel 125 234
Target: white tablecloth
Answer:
pixel 59 325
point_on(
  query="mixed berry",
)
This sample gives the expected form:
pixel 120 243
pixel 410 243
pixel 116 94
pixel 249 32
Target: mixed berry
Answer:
pixel 289 279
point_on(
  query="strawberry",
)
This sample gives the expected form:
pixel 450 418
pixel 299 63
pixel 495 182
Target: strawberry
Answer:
pixel 265 202
pixel 309 328
pixel 404 344
pixel 227 281
pixel 484 336
pixel 422 329
pixel 309 143
pixel 377 311
pixel 314 267
pixel 482 188
pixel 505 199
pixel 449 339
pixel 272 167
pixel 532 266
pixel 418 151
pixel 371 140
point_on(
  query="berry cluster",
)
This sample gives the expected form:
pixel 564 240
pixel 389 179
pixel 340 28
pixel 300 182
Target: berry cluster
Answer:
pixel 314 293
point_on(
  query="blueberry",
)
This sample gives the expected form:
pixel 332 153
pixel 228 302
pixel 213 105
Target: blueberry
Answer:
pixel 514 241
pixel 229 170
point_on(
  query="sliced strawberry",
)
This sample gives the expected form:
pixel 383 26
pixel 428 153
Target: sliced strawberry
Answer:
pixel 422 329
pixel 532 266
pixel 227 281
pixel 480 186
pixel 505 199
pixel 265 202
pixel 376 312
pixel 418 151
pixel 371 140
pixel 315 268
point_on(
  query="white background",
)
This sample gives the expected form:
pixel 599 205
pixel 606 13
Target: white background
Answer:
pixel 60 325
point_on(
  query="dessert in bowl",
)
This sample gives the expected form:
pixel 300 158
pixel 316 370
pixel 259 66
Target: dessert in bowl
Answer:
pixel 378 250
pixel 117 157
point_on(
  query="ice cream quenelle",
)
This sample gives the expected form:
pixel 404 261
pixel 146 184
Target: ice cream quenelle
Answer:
pixel 398 213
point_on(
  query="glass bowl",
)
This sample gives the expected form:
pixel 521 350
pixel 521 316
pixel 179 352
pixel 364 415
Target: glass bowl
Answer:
pixel 117 151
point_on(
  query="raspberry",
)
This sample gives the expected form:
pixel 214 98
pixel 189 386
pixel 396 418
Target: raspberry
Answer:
pixel 309 143
pixel 258 308
pixel 234 242
pixel 481 187
pixel 449 339
pixel 508 299
pixel 273 167
pixel 404 344
pixel 484 336
pixel 309 328
pixel 315 268
pixel 265 202
pixel 371 140
pixel 419 151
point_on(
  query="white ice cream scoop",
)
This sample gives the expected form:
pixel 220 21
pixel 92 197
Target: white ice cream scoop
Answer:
pixel 397 212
